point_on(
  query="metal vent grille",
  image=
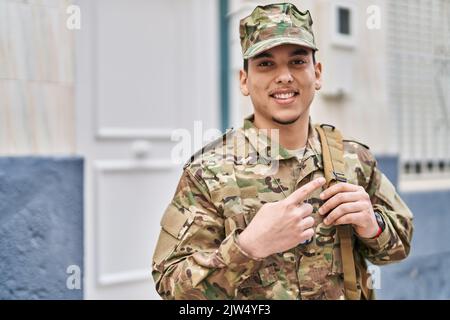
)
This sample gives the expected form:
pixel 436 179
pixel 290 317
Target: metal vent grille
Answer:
pixel 419 83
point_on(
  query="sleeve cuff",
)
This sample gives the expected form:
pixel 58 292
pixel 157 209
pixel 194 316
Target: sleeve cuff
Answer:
pixel 235 258
pixel 381 240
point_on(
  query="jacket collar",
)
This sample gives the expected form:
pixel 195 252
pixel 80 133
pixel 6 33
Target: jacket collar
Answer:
pixel 268 148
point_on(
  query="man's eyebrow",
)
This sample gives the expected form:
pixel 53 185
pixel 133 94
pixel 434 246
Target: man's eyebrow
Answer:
pixel 296 52
pixel 299 52
pixel 263 55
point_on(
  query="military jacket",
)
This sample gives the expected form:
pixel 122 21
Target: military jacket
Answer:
pixel 221 189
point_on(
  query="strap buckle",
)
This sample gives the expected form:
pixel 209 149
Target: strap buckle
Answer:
pixel 327 125
pixel 339 176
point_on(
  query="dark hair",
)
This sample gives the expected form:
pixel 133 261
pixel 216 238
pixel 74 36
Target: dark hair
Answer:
pixel 246 61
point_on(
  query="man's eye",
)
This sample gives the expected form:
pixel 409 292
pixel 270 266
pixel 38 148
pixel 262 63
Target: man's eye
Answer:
pixel 298 62
pixel 265 64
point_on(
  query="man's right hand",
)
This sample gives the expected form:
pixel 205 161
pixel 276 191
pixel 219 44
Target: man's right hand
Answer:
pixel 282 225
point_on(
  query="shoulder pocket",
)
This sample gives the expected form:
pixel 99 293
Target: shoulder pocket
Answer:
pixel 174 224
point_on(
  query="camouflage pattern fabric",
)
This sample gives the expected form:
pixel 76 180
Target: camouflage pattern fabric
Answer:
pixel 221 190
pixel 269 26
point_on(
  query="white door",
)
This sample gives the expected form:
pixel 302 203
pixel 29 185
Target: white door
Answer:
pixel 143 69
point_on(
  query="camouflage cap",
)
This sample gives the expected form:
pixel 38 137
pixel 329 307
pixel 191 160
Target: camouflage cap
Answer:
pixel 275 24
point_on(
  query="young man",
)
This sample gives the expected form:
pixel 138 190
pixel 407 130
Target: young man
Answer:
pixel 253 216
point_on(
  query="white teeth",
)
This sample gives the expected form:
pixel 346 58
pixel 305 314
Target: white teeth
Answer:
pixel 284 95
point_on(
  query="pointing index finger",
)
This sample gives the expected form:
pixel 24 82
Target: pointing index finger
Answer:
pixel 299 195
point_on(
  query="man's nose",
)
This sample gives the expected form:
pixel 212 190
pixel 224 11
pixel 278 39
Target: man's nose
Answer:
pixel 284 76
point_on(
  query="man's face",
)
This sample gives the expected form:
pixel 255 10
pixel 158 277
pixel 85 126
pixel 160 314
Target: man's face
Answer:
pixel 281 83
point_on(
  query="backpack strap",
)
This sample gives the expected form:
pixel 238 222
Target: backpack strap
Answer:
pixel 333 163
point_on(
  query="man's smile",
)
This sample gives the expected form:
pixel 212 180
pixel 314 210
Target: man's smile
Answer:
pixel 284 96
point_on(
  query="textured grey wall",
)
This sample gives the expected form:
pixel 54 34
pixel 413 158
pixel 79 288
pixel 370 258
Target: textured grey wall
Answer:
pixel 41 226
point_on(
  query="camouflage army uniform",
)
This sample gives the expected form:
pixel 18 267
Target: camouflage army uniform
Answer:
pixel 221 190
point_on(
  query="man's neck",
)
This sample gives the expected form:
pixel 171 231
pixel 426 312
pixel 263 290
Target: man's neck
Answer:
pixel 292 136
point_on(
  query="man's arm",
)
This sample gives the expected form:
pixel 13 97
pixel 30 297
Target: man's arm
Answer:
pixel 356 204
pixel 394 243
pixel 193 258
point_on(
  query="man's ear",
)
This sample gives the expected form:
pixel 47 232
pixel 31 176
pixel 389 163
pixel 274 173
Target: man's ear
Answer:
pixel 243 82
pixel 318 73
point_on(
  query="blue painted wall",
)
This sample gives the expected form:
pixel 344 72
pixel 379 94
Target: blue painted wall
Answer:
pixel 41 226
pixel 424 274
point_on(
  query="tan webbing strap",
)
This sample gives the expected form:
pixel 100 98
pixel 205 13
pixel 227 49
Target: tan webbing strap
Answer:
pixel 348 263
pixel 333 163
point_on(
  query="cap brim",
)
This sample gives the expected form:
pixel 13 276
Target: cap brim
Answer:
pixel 267 44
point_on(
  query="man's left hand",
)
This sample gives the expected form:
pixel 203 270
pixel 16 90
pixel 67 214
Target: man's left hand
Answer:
pixel 349 204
